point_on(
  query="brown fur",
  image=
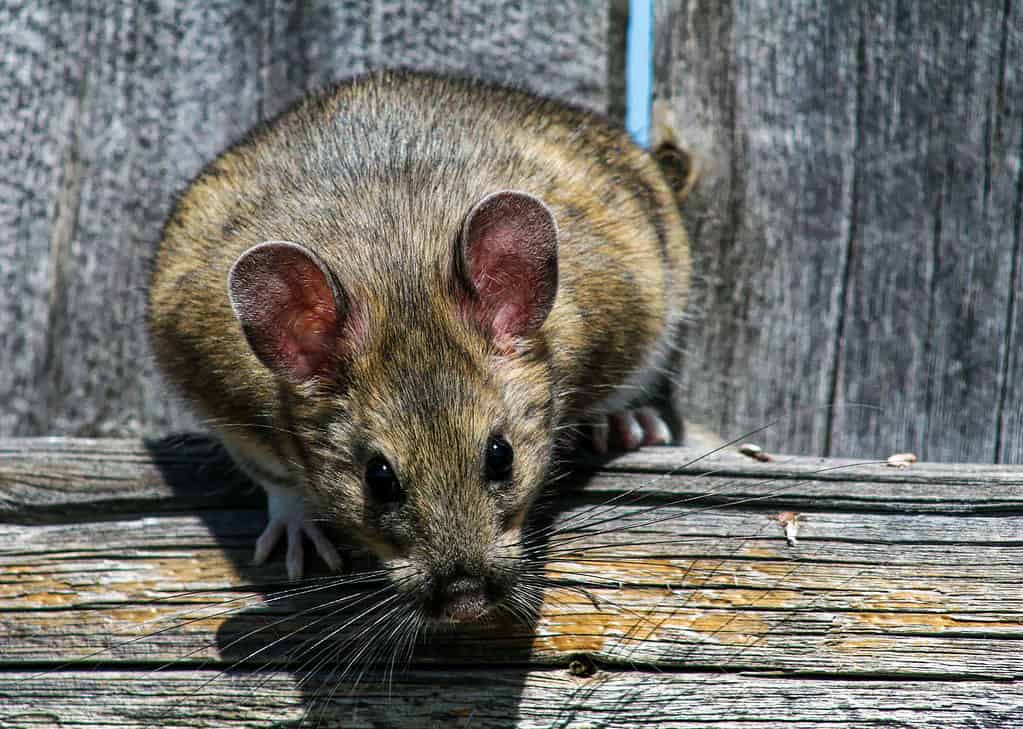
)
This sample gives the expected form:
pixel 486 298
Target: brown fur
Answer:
pixel 376 177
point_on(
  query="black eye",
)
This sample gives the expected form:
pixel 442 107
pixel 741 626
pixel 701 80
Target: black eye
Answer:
pixel 499 459
pixel 382 482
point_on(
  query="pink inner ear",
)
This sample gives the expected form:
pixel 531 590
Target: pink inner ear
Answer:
pixel 287 307
pixel 510 244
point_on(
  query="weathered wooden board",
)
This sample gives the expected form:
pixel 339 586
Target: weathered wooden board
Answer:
pixel 859 224
pixel 768 106
pixel 938 169
pixel 899 605
pixel 530 699
pixel 1001 163
pixel 107 109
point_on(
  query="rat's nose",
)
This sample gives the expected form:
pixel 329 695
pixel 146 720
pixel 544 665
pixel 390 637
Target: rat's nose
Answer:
pixel 465 599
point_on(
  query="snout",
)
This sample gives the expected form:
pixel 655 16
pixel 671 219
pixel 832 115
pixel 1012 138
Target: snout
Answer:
pixel 465 599
pixel 467 596
pixel 462 569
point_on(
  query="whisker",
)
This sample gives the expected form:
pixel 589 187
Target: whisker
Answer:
pixel 331 634
pixel 689 499
pixel 304 646
pixel 366 645
pixel 347 598
pixel 675 471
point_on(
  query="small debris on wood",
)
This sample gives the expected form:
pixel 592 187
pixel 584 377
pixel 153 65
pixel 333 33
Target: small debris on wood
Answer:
pixel 582 666
pixel 790 521
pixel 900 460
pixel 755 452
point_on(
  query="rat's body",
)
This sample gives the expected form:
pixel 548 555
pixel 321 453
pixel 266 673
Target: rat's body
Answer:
pixel 476 271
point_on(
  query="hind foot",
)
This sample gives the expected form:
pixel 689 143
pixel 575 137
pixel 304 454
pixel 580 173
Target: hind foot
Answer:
pixel 629 429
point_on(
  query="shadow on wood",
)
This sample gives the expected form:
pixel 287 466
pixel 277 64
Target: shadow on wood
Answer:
pixel 333 637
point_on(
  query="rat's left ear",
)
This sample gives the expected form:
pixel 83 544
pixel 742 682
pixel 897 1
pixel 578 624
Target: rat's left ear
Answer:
pixel 509 261
pixel 291 312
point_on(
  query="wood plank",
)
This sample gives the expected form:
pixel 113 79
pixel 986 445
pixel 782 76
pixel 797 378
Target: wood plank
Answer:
pixel 149 104
pixel 1008 136
pixel 53 479
pixel 765 93
pixel 727 592
pixel 558 49
pixel 679 571
pixel 114 107
pixel 859 222
pixel 500 698
pixel 937 159
pixel 41 93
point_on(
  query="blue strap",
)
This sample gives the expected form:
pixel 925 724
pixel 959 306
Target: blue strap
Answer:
pixel 639 70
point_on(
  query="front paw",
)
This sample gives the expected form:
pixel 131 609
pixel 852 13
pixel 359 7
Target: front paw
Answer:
pixel 287 511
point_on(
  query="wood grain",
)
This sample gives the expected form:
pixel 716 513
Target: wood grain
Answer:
pixel 766 92
pixel 937 166
pixel 530 699
pixel 899 602
pixel 858 226
pixel 109 109
pixel 1005 137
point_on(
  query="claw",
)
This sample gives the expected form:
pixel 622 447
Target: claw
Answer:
pixel 288 516
pixel 630 434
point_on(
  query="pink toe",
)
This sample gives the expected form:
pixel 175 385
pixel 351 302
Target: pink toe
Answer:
pixel 629 431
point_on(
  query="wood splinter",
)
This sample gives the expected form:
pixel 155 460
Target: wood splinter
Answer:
pixel 790 521
pixel 755 452
pixel 900 460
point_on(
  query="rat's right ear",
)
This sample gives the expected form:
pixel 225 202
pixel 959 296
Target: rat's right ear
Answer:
pixel 509 261
pixel 290 309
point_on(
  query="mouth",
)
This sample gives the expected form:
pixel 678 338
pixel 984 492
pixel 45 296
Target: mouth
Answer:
pixel 465 611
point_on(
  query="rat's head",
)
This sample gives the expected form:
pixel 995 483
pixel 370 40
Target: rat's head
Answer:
pixel 424 415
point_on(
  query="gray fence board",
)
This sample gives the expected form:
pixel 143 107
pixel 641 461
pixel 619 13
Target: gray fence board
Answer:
pixel 197 699
pixel 1005 161
pixel 859 221
pixel 937 164
pixel 768 92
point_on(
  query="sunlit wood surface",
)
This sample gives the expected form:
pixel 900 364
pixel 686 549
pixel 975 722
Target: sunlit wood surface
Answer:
pixel 126 600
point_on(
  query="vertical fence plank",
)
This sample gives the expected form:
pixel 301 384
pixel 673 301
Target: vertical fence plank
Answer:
pixel 937 156
pixel 1006 163
pixel 856 231
pixel 40 97
pixel 766 93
